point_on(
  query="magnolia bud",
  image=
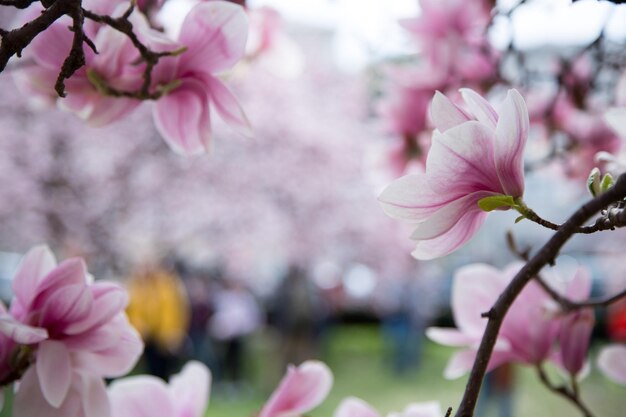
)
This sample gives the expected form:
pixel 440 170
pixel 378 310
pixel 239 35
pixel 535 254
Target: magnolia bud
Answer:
pixel 574 339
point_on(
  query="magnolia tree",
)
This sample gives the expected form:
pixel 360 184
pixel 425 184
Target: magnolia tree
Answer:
pixel 63 332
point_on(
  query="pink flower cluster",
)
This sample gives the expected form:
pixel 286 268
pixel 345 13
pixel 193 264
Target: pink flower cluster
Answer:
pixel 62 335
pixel 212 40
pixel 533 331
pixel 475 154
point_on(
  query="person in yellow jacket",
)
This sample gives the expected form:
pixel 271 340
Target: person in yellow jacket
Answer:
pixel 159 310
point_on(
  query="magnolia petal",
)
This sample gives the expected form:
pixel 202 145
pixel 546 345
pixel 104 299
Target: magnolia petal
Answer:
pixel 71 271
pixel 182 118
pixel 191 388
pixel 446 217
pixel 54 371
pixel 301 389
pixel 51 46
pixel 425 409
pixel 459 364
pixel 461 161
pixel 94 397
pixel 228 107
pixel 453 239
pixel 448 336
pixel 475 289
pixel 511 136
pixel 574 338
pixel 480 108
pixel 108 300
pixel 65 305
pixel 411 198
pixel 37 85
pixel 29 400
pixel 355 407
pixel 37 263
pixel 616 119
pixel 579 288
pixel 21 333
pixel 112 351
pixel 445 114
pixel 215 35
pixel 140 396
pixel 612 362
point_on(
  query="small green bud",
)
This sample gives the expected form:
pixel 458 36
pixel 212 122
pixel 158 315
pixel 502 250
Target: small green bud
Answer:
pixel 593 182
pixel 606 183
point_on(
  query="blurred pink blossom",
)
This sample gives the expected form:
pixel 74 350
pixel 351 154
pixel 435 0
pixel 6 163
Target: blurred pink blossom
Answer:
pixel 476 288
pixel 589 133
pixel 612 362
pixel 355 407
pixel 301 389
pixel 473 155
pixel 451 34
pixel 187 394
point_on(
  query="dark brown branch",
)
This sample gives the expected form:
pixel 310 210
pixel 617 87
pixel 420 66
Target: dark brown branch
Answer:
pixel 14 41
pixel 546 255
pixel 76 57
pixel 18 4
pixel 570 394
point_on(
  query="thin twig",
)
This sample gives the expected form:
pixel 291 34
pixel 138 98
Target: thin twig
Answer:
pixel 567 304
pixel 570 395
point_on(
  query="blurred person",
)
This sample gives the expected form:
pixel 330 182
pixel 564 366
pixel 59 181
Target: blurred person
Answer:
pixel 159 310
pixel 299 315
pixel 236 315
pixel 201 309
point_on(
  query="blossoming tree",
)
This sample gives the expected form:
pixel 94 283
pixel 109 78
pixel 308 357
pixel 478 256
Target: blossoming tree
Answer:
pixel 63 332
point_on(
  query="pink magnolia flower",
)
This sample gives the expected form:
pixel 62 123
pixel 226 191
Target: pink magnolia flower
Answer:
pixel 474 155
pixel 355 407
pixel 115 63
pixel 187 394
pixel 612 362
pixel 475 288
pixel 88 334
pixel 214 34
pixel 301 389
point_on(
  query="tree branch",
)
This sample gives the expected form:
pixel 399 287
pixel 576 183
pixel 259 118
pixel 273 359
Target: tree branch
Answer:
pixel 571 395
pixel 546 255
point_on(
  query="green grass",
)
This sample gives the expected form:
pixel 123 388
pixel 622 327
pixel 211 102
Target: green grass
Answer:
pixel 355 354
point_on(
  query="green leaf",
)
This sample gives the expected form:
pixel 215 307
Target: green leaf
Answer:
pixel 495 202
pixel 519 219
pixel 593 182
pixel 607 182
